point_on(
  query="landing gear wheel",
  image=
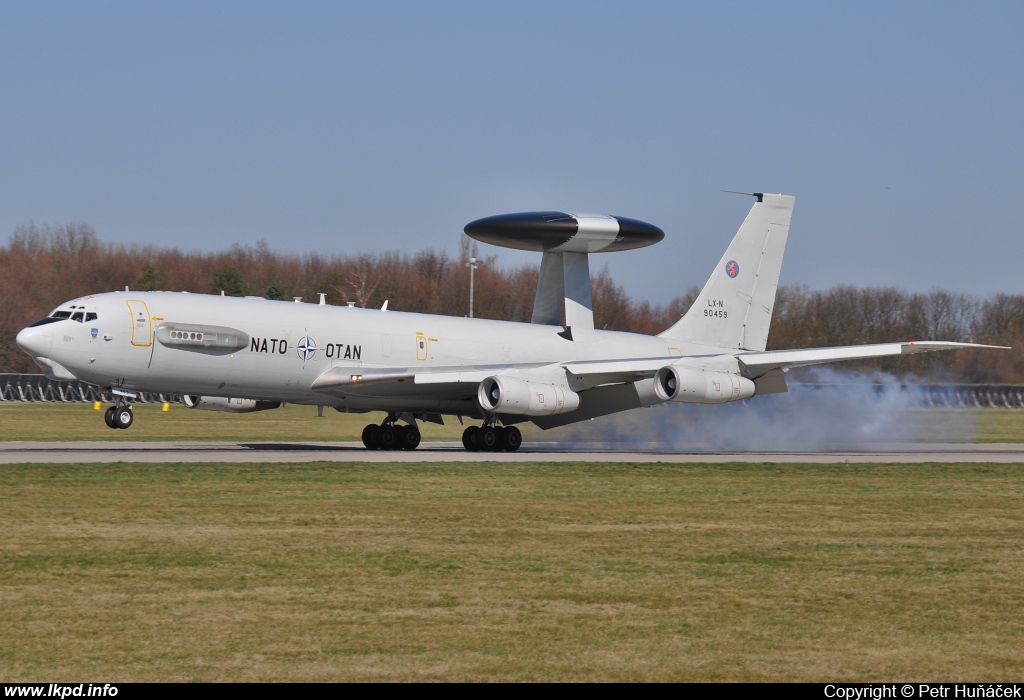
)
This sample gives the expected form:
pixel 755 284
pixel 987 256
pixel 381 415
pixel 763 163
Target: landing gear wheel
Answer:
pixel 123 418
pixel 409 437
pixel 511 438
pixel 108 417
pixel 368 437
pixel 470 439
pixel 387 437
pixel 488 439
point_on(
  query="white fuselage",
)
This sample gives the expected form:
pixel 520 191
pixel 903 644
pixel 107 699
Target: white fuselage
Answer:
pixel 290 344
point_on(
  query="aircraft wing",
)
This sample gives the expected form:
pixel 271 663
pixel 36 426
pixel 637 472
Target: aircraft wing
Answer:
pixel 603 372
pixel 624 371
pixel 758 363
pixel 353 377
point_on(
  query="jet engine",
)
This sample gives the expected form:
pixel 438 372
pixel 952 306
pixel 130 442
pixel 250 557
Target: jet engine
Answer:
pixel 509 395
pixel 689 385
pixel 219 403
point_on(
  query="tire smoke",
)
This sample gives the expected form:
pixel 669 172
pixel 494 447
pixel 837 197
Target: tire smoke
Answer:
pixel 828 410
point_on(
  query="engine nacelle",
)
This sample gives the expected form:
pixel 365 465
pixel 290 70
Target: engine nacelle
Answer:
pixel 508 395
pixel 689 385
pixel 219 403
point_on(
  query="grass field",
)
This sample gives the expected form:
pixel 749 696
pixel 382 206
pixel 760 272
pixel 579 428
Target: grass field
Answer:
pixel 58 421
pixel 511 572
pixel 39 421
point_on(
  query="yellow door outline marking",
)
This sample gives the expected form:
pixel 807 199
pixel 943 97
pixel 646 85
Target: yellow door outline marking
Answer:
pixel 135 326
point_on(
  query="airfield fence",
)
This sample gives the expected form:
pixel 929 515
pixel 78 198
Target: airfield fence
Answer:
pixel 36 387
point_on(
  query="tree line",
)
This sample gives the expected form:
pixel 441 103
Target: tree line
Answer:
pixel 42 266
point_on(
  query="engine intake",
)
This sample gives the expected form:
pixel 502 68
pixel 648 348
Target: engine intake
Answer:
pixel 689 385
pixel 220 403
pixel 508 395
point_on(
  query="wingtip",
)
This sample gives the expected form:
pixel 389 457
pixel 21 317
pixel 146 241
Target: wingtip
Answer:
pixel 949 345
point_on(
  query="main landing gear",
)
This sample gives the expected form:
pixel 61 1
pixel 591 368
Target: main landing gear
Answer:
pixel 388 436
pixel 119 416
pixel 492 438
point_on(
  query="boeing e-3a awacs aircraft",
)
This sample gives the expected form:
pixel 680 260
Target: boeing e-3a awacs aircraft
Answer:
pixel 241 355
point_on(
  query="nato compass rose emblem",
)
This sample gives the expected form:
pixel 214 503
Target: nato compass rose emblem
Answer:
pixel 94 332
pixel 306 348
pixel 732 268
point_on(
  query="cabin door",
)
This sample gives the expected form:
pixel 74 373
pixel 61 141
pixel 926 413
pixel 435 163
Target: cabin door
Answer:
pixel 142 326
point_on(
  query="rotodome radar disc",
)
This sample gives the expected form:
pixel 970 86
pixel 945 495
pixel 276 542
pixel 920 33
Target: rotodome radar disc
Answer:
pixel 562 232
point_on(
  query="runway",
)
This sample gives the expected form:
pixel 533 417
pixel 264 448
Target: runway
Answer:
pixel 275 452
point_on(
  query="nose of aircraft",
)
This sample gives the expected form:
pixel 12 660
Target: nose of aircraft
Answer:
pixel 35 340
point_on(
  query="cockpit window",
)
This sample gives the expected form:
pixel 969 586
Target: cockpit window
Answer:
pixel 91 316
pixel 78 316
pixel 61 314
pixel 44 321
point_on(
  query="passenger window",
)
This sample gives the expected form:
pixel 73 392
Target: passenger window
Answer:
pixel 91 316
pixel 79 316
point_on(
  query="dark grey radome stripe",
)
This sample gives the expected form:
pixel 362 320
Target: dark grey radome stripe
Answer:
pixel 555 230
pixel 634 234
pixel 532 230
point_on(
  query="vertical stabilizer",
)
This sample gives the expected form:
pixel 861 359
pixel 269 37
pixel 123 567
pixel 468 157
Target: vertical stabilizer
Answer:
pixel 734 310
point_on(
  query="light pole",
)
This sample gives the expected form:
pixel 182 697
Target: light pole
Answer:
pixel 472 268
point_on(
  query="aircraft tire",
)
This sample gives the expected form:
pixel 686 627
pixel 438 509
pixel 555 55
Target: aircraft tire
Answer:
pixel 388 439
pixel 470 439
pixel 375 437
pixel 488 438
pixel 511 438
pixel 108 417
pixel 368 436
pixel 411 437
pixel 123 418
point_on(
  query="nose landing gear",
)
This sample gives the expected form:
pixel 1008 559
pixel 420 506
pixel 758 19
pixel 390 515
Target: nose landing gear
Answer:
pixel 492 438
pixel 119 415
pixel 389 436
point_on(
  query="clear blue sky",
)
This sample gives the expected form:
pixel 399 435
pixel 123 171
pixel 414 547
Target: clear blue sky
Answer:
pixel 379 126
